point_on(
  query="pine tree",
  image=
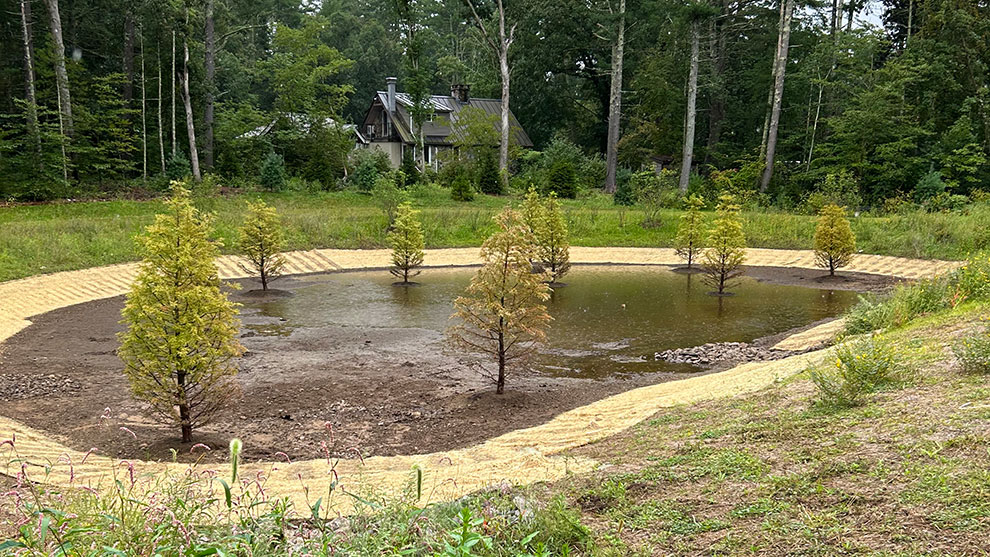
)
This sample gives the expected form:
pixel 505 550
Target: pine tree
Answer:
pixel 181 341
pixel 272 172
pixel 691 235
pixel 406 239
pixel 503 312
pixel 726 247
pixel 553 249
pixel 261 242
pixel 835 242
pixel 461 188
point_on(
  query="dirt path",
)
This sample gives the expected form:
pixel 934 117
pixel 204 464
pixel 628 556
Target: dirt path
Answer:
pixel 520 456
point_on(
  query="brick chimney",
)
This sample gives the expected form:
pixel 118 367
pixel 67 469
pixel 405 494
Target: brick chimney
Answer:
pixel 390 83
pixel 460 92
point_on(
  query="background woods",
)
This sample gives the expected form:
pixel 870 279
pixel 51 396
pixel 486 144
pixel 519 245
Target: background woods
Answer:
pixel 762 97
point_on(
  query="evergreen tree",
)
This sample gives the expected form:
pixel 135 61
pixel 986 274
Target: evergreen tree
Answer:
pixel 562 179
pixel 489 181
pixel 181 338
pixel 261 242
pixel 406 240
pixel 461 189
pixel 503 312
pixel 532 210
pixel 726 247
pixel 552 248
pixel 835 242
pixel 691 235
pixel 272 172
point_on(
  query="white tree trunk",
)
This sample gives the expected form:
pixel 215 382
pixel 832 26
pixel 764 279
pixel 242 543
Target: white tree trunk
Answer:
pixel 783 43
pixel 692 99
pixel 30 95
pixel 144 119
pixel 211 68
pixel 175 140
pixel 61 75
pixel 615 104
pixel 161 129
pixel 190 125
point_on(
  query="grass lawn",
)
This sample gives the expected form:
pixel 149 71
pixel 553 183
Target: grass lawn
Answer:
pixel 46 238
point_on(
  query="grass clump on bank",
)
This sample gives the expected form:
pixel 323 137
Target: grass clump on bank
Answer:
pixel 860 368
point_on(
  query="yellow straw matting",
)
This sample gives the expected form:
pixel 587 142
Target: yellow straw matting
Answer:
pixel 521 456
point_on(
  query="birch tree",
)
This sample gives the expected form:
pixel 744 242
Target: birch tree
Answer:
pixel 687 154
pixel 500 44
pixel 209 85
pixel 615 102
pixel 187 103
pixel 30 95
pixel 780 67
pixel 61 74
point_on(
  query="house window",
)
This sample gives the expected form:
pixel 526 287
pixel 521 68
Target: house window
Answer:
pixel 428 155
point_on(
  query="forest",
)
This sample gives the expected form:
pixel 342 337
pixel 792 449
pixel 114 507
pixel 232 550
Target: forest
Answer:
pixel 881 103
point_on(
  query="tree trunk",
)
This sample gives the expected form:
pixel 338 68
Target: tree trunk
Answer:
pixel 615 104
pixel 783 43
pixel 128 90
pixel 503 148
pixel 161 129
pixel 211 69
pixel 689 120
pixel 30 96
pixel 144 120
pixel 175 141
pixel 61 75
pixel 500 385
pixel 773 78
pixel 716 107
pixel 190 125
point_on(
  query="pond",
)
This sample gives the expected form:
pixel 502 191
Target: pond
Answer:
pixel 608 320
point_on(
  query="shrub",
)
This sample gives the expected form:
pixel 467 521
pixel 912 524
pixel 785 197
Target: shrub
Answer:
pixel 178 166
pixel 929 186
pixel 409 168
pixel 562 179
pixel 946 203
pixel 461 189
pixel 973 352
pixel 972 280
pixel 905 303
pixel 272 172
pixel 489 178
pixel 388 194
pixel 624 194
pixel 837 189
pixel 655 193
pixel 835 242
pixel 369 164
pixel 859 369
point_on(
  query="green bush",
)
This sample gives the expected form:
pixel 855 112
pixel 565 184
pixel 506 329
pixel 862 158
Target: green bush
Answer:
pixel 859 369
pixel 562 180
pixel 972 280
pixel 973 352
pixel 655 193
pixel 369 164
pixel 272 172
pixel 905 303
pixel 409 168
pixel 929 186
pixel 489 179
pixel 837 189
pixel 461 189
pixel 178 167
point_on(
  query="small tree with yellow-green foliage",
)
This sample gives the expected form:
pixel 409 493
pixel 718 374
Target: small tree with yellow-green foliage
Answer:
pixel 835 242
pixel 262 242
pixel 726 250
pixel 503 312
pixel 545 220
pixel 691 234
pixel 406 239
pixel 181 338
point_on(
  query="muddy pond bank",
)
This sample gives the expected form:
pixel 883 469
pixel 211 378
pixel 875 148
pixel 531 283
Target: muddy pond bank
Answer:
pixel 376 370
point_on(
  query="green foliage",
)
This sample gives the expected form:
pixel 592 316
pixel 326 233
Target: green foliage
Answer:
pixel 562 179
pixel 839 189
pixel 406 241
pixel 929 186
pixel 503 313
pixel 859 369
pixel 461 188
pixel 726 250
pixel 262 242
pixel 489 180
pixel 905 303
pixel 272 176
pixel 178 167
pixel 550 233
pixel 655 193
pixel 368 164
pixel 973 351
pixel 409 168
pixel 835 242
pixel 181 339
pixel 690 238
pixel 625 194
pixel 388 194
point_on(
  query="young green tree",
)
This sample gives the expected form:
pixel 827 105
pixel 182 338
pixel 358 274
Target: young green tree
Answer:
pixel 691 235
pixel 461 188
pixel 181 338
pixel 272 176
pixel 388 195
pixel 261 242
pixel 532 210
pixel 406 239
pixel 552 248
pixel 726 247
pixel 503 312
pixel 835 242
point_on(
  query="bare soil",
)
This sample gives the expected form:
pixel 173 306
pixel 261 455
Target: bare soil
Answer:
pixel 367 391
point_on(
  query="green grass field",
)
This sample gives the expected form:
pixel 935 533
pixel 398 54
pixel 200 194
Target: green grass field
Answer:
pixel 46 238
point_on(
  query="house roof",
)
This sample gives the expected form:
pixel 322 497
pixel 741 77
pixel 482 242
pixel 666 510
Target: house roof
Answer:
pixel 446 109
pixel 302 122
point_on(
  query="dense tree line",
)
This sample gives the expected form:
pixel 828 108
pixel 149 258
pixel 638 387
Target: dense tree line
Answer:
pixel 766 98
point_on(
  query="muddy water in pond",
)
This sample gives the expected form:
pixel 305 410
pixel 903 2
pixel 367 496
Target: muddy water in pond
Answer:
pixel 608 321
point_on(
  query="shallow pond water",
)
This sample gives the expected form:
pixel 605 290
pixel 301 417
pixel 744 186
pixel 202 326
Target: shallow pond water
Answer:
pixel 608 320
